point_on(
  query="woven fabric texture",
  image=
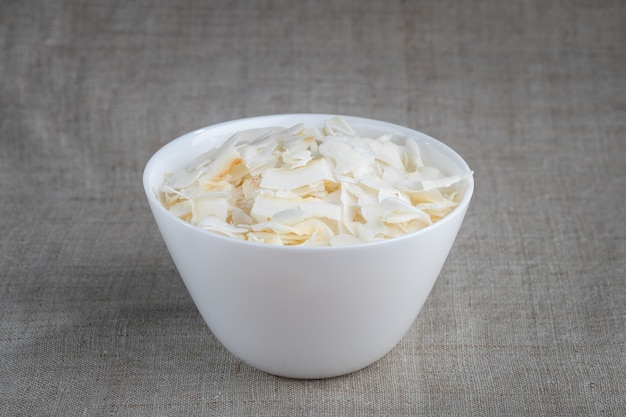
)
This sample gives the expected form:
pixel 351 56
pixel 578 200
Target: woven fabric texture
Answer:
pixel 528 316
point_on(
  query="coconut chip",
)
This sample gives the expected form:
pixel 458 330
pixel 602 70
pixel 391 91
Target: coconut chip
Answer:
pixel 307 187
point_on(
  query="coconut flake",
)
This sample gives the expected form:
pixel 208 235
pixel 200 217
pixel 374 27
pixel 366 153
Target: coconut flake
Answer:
pixel 277 179
pixel 302 186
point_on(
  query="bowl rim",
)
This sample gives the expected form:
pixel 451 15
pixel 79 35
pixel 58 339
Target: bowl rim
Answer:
pixel 152 165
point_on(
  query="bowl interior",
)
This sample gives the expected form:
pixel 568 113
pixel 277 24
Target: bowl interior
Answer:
pixel 181 151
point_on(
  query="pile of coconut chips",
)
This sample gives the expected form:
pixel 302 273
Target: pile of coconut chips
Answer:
pixel 311 187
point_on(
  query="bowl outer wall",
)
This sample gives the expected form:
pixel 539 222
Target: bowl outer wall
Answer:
pixel 302 312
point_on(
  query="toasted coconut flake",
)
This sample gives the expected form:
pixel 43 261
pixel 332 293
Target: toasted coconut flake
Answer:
pixel 210 207
pixel 316 171
pixel 239 217
pixel 266 205
pixel 387 152
pixel 289 216
pixel 337 126
pixel 222 227
pixel 350 157
pixel 440 182
pixel 412 156
pixel 302 186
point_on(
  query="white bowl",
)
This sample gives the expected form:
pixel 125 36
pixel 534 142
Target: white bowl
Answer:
pixel 305 312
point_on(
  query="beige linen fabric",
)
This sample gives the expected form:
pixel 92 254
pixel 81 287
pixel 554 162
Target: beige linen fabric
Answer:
pixel 528 315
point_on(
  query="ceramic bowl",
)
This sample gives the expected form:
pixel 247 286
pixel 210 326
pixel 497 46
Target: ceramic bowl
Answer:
pixel 305 312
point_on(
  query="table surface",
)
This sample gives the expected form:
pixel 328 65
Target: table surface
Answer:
pixel 528 315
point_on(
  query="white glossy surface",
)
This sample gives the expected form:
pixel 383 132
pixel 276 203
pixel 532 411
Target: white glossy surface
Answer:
pixel 305 312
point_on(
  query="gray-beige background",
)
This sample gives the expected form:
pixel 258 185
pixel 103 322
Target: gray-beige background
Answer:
pixel 528 316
